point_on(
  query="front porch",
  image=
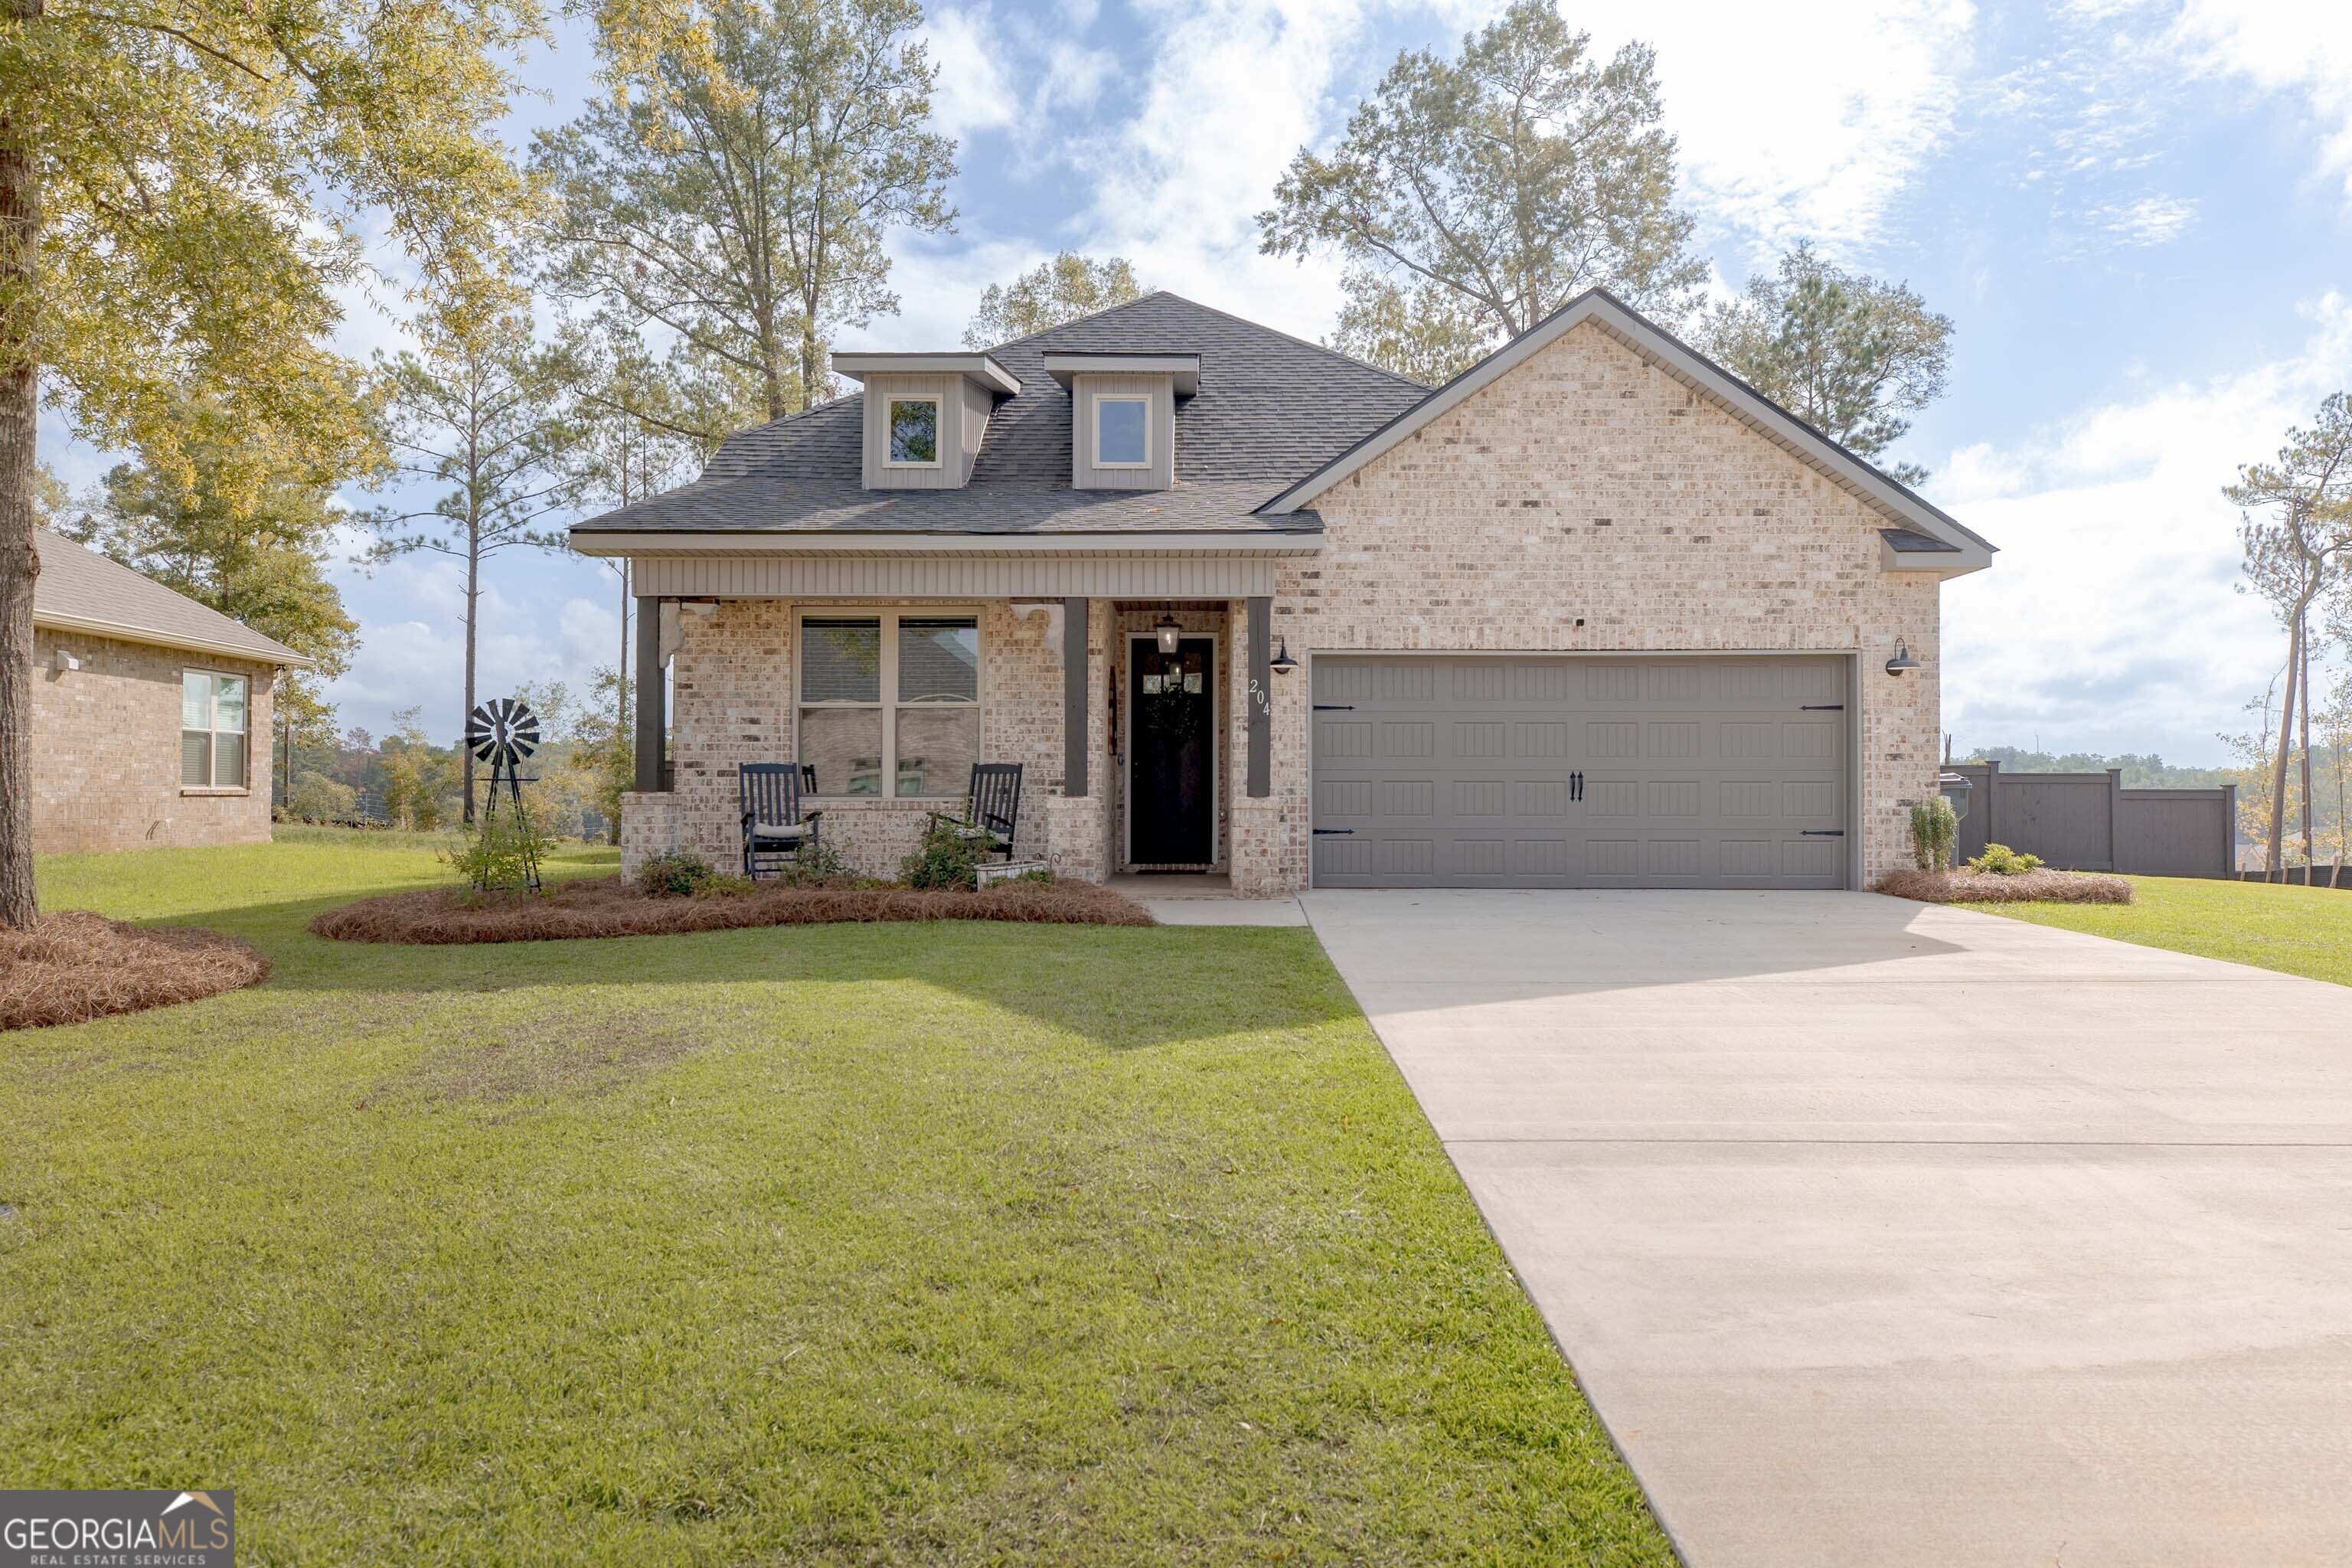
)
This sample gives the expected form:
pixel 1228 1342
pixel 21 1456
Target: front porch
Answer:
pixel 1142 725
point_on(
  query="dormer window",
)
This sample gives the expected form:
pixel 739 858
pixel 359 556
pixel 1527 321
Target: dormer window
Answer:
pixel 925 416
pixel 1122 431
pixel 914 433
pixel 1123 416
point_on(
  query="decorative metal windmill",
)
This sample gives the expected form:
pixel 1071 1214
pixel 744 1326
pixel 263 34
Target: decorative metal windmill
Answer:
pixel 502 732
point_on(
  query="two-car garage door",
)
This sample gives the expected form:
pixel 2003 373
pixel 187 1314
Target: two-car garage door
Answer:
pixel 1629 772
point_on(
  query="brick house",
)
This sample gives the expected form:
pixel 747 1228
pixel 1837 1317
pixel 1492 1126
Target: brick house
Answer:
pixel 1594 614
pixel 151 713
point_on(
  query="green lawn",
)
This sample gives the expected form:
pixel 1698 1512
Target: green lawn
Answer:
pixel 2297 930
pixel 954 1244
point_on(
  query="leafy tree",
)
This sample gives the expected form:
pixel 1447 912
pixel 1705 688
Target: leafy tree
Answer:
pixel 476 417
pixel 1497 186
pixel 1848 354
pixel 604 755
pixel 259 557
pixel 1049 294
pixel 420 779
pixel 737 186
pixel 1425 333
pixel 314 794
pixel 180 190
pixel 2296 552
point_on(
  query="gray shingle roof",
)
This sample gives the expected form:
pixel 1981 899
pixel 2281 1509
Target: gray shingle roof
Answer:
pixel 81 590
pixel 1271 408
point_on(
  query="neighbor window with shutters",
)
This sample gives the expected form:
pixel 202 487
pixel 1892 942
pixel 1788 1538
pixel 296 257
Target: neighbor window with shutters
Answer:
pixel 212 729
pixel 889 703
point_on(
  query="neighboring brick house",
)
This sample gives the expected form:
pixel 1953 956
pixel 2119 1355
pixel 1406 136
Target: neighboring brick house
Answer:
pixel 151 713
pixel 1594 614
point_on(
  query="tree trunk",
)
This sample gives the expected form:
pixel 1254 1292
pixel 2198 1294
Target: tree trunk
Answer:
pixel 20 560
pixel 473 603
pixel 2275 853
pixel 2310 843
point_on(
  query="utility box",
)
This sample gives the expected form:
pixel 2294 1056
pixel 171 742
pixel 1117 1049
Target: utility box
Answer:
pixel 1956 789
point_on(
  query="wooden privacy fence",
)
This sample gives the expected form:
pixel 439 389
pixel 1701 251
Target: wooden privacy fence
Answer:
pixel 2090 822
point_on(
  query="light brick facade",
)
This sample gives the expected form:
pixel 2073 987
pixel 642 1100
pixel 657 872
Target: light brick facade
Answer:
pixel 1585 501
pixel 1589 484
pixel 106 742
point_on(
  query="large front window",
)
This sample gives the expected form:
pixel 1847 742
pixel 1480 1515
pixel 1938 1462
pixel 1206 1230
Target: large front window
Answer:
pixel 889 703
pixel 212 729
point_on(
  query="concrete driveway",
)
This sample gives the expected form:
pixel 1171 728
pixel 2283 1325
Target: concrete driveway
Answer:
pixel 1888 1235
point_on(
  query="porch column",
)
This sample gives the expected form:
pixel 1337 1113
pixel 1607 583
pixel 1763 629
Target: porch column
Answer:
pixel 1261 696
pixel 652 696
pixel 1074 697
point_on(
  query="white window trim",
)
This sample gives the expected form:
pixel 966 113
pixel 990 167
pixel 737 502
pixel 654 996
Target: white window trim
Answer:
pixel 245 736
pixel 939 429
pixel 1102 397
pixel 890 616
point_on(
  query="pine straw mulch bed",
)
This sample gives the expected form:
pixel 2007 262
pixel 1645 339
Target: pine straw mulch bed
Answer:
pixel 74 966
pixel 606 906
pixel 2040 886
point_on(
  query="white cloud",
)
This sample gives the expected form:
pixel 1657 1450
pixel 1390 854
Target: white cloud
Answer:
pixel 2151 220
pixel 1009 73
pixel 2299 46
pixel 2110 617
pixel 1800 120
pixel 1233 89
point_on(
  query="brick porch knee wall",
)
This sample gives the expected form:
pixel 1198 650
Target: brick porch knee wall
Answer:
pixel 731 701
pixel 1588 483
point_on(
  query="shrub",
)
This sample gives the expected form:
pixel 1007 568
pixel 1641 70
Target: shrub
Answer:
pixel 1933 826
pixel 673 876
pixel 503 849
pixel 947 859
pixel 726 885
pixel 2001 860
pixel 315 795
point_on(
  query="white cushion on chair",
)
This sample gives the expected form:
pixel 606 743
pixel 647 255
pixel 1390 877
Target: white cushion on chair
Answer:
pixel 775 830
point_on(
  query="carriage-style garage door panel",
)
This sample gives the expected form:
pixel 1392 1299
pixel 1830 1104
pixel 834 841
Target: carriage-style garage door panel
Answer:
pixel 1432 771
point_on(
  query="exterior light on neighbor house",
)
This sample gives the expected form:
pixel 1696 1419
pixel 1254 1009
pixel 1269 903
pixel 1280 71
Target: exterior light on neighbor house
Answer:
pixel 1168 630
pixel 67 662
pixel 1901 659
pixel 1283 663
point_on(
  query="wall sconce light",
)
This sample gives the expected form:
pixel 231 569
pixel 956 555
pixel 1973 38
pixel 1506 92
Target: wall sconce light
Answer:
pixel 1283 663
pixel 1901 659
pixel 1168 630
pixel 67 662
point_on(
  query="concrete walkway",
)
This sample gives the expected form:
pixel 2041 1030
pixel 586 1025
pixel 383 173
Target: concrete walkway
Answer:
pixel 1888 1235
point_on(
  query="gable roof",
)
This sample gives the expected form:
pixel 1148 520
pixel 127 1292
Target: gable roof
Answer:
pixel 1270 408
pixel 1904 508
pixel 82 591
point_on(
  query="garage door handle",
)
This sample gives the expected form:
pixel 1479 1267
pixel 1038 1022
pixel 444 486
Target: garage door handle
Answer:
pixel 1335 708
pixel 1328 832
pixel 1576 786
pixel 1822 708
pixel 1821 833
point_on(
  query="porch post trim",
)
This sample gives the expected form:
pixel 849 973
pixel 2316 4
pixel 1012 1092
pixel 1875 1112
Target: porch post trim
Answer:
pixel 652 696
pixel 1261 697
pixel 1074 697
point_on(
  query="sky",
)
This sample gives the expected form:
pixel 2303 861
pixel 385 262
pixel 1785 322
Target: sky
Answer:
pixel 2137 213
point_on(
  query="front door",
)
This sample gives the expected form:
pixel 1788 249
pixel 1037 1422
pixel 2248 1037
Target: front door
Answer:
pixel 1171 799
